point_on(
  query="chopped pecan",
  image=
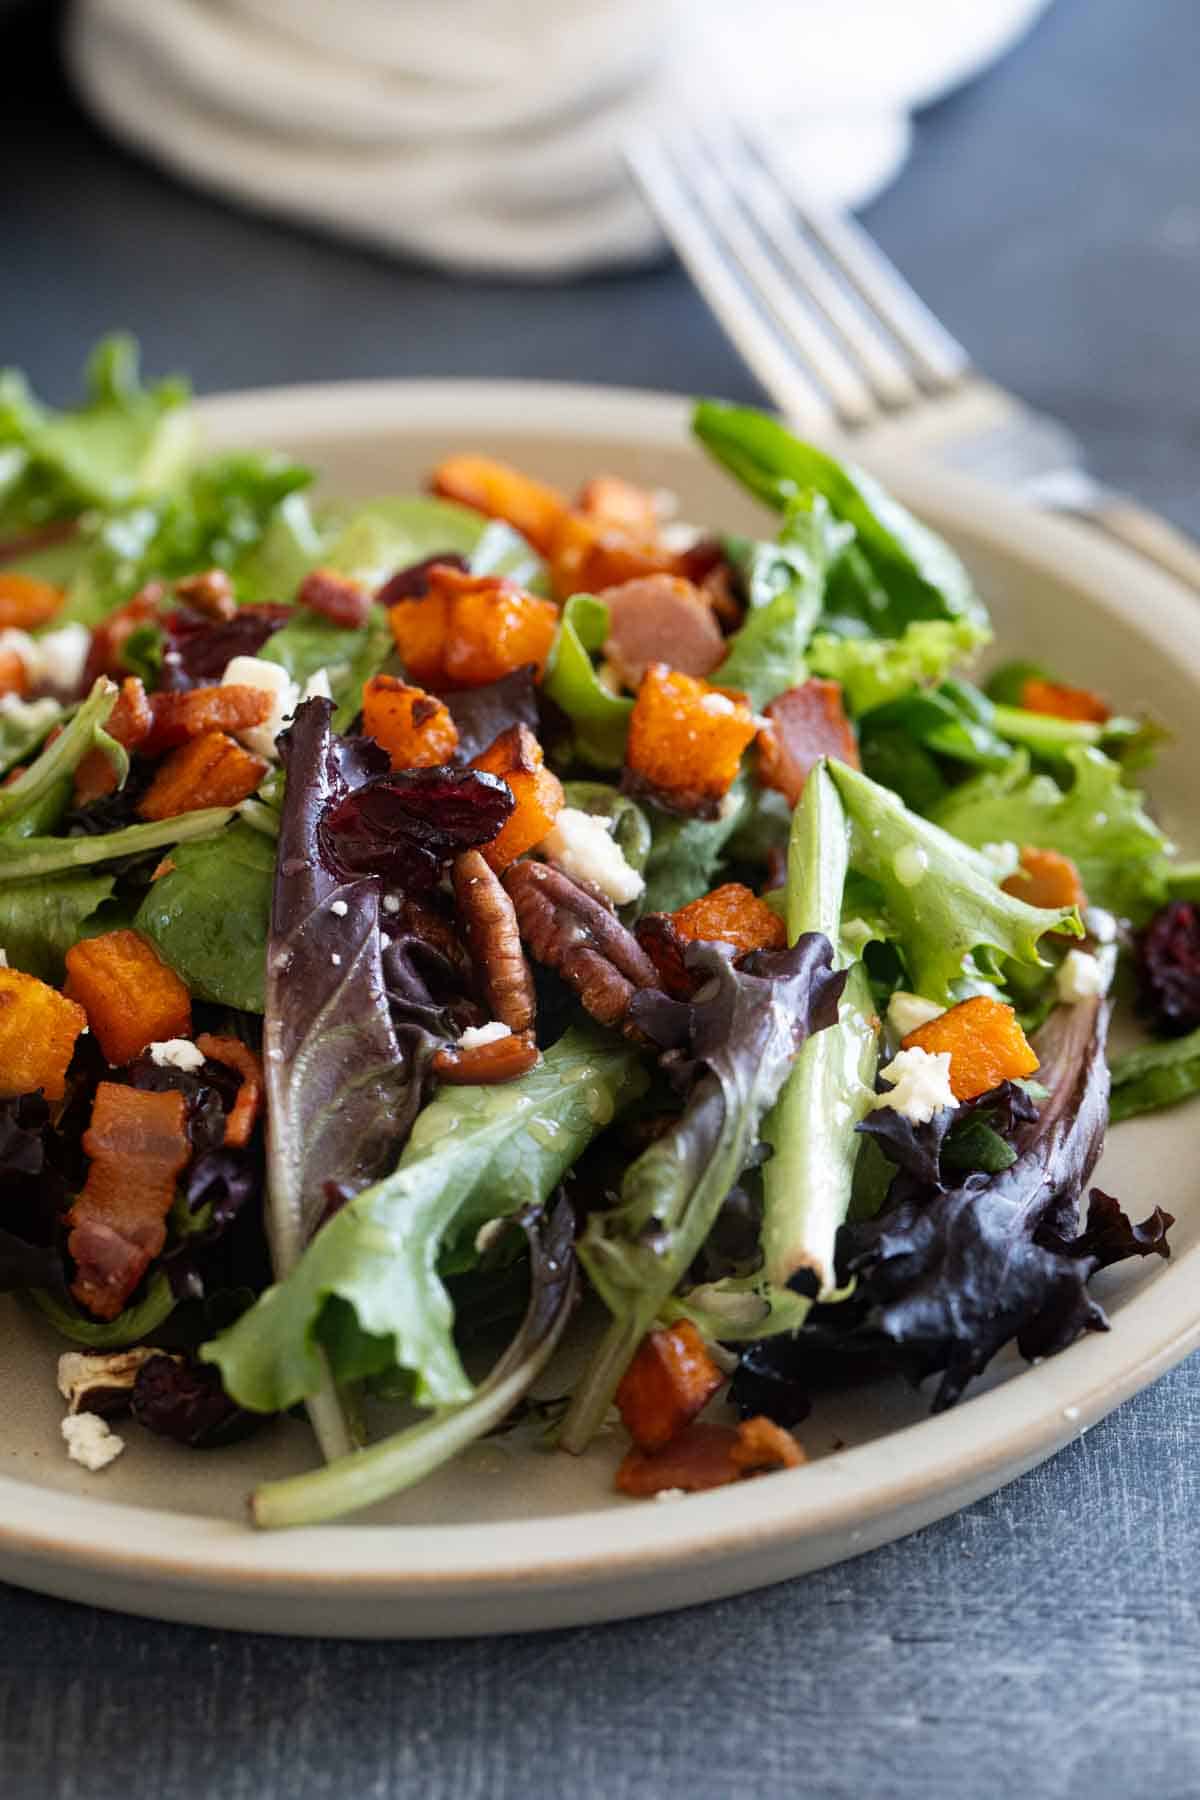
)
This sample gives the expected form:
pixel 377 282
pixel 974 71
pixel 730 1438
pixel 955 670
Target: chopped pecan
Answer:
pixel 489 922
pixel 485 1065
pixel 209 593
pixel 569 931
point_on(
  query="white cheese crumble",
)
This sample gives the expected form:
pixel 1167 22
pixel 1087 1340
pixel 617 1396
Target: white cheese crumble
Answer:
pixel 317 686
pixel 671 1494
pixel 1080 976
pixel 256 672
pixel 390 903
pixel 63 655
pixel 475 1036
pixel 3 959
pixel 176 1053
pixel 908 1012
pixel 90 1441
pixel 1100 925
pixel 920 1084
pixel 583 845
pixel 909 864
pixel 338 908
pixel 1005 858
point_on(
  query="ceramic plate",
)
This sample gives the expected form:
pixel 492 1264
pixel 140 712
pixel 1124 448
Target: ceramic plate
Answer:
pixel 512 1537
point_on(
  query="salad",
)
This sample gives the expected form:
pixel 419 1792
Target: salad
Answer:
pixel 442 927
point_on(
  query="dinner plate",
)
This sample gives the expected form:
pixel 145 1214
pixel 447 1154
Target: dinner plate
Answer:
pixel 513 1536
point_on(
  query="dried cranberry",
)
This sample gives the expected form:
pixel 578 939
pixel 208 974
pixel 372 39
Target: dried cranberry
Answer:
pixel 407 826
pixel 1168 969
pixel 184 1400
pixel 412 583
pixel 197 648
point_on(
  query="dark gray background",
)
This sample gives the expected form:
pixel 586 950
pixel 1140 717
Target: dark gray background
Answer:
pixel 1045 1642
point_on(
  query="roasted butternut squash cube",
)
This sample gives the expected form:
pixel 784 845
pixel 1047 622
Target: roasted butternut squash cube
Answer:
pixel 25 602
pixel 210 770
pixel 671 1379
pixel 130 996
pixel 419 628
pixel 731 914
pixel 589 555
pixel 14 673
pixel 415 728
pixel 686 740
pixel 493 628
pixel 531 507
pixel 516 756
pixel 1062 702
pixel 986 1045
pixel 38 1029
pixel 1045 878
pixel 129 724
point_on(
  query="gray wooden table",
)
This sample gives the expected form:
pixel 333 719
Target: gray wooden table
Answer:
pixel 1047 1641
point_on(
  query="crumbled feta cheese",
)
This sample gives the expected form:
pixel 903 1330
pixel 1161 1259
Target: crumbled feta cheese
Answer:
pixel 384 939
pixel 1005 858
pixel 671 1494
pixel 909 864
pixel 317 686
pixel 920 1085
pixel 390 903
pixel 338 908
pixel 908 1012
pixel 176 1053
pixel 475 1036
pixel 583 845
pixel 3 959
pixel 64 654
pixel 336 960
pixel 1100 925
pixel 256 672
pixel 1080 977
pixel 90 1441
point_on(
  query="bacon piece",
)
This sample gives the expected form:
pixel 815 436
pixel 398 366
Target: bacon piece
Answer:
pixel 179 716
pixel 805 724
pixel 660 619
pixel 138 1145
pixel 129 724
pixel 338 598
pixel 671 1379
pixel 241 1117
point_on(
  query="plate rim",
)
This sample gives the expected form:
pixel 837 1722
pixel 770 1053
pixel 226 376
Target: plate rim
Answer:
pixel 1008 1428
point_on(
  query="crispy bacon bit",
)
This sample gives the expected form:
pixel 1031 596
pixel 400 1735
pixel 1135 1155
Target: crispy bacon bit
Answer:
pixel 489 923
pixel 660 619
pixel 1045 878
pixel 486 1065
pixel 138 1145
pixel 502 492
pixel 38 1029
pixel 108 639
pixel 659 938
pixel 242 1115
pixel 129 723
pixel 569 931
pixel 338 598
pixel 671 1379
pixel 805 724
pixel 209 593
pixel 211 770
pixel 1061 702
pixel 706 1456
pixel 412 583
pixel 985 1041
pixel 130 996
pixel 685 741
pixel 189 714
pixel 25 602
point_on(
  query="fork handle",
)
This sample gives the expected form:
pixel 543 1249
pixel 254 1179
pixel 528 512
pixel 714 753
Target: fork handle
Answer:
pixel 1148 534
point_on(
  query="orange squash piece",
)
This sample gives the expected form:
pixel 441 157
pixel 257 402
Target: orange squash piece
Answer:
pixel 26 602
pixel 108 639
pixel 531 507
pixel 14 673
pixel 621 506
pixel 178 717
pixel 211 770
pixel 686 740
pixel 671 1379
pixel 589 555
pixel 705 1456
pixel 130 996
pixel 1062 702
pixel 241 1117
pixel 468 630
pixel 803 725
pixel 986 1045
pixel 415 728
pixel 517 757
pixel 38 1029
pixel 419 627
pixel 138 1145
pixel 1045 878
pixel 731 914
pixel 129 723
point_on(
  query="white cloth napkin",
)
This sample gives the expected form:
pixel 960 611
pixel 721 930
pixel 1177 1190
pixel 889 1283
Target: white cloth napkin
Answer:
pixel 486 134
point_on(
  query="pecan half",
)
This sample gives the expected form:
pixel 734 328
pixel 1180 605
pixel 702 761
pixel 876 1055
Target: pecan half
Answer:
pixel 489 923
pixel 574 934
pixel 484 1065
pixel 210 593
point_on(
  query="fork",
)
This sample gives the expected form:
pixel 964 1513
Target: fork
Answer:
pixel 844 346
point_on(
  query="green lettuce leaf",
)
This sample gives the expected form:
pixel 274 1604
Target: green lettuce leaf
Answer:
pixel 350 656
pixel 599 718
pixel 875 670
pixel 1155 1075
pixel 475 1154
pixel 32 805
pixel 210 915
pixel 686 853
pixel 943 899
pixel 785 589
pixel 31 858
pixel 1098 822
pixel 40 920
pixel 24 724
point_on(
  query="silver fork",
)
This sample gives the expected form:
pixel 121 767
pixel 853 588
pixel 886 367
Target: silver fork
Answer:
pixel 844 346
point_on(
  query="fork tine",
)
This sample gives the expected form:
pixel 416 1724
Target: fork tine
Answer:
pixel 713 178
pixel 700 251
pixel 939 358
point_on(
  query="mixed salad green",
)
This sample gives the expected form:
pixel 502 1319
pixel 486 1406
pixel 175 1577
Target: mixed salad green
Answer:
pixel 422 916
